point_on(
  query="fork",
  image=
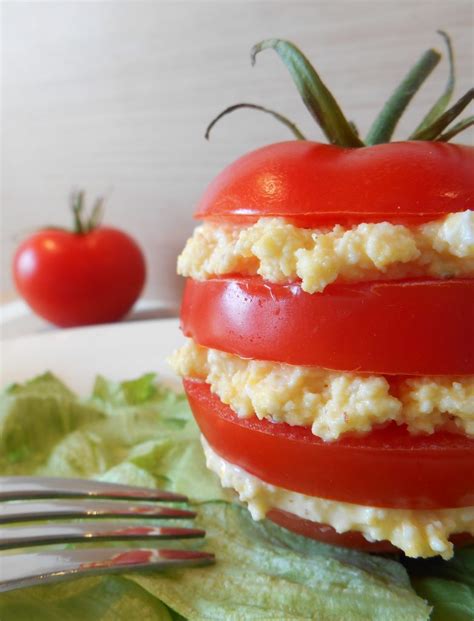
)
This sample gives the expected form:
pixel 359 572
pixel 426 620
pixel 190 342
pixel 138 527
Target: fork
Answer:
pixel 31 499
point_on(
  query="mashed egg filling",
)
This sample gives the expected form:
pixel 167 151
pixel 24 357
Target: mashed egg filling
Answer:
pixel 416 532
pixel 281 252
pixel 330 402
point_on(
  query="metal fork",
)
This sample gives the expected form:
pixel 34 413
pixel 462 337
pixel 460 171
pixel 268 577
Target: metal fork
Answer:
pixel 30 499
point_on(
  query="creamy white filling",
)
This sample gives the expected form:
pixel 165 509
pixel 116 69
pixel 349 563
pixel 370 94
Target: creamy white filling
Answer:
pixel 281 252
pixel 416 532
pixel 331 403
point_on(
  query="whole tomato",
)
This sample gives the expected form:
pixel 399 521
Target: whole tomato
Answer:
pixel 90 275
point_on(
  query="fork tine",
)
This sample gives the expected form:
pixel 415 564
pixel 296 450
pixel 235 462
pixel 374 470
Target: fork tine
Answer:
pixel 45 534
pixel 22 570
pixel 25 488
pixel 59 509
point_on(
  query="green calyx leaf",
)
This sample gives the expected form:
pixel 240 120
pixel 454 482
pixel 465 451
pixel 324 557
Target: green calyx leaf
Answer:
pixel 456 129
pixel 283 119
pixel 442 103
pixel 438 118
pixel 343 132
pixel 84 225
pixel 384 125
pixel 316 96
pixel 433 131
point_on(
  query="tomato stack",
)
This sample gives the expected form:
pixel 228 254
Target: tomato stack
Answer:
pixel 408 324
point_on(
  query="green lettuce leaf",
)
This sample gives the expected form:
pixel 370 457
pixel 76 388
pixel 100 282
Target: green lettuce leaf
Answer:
pixel 453 601
pixel 264 572
pixel 449 586
pixel 139 432
pixel 34 417
pixel 108 598
pixel 134 432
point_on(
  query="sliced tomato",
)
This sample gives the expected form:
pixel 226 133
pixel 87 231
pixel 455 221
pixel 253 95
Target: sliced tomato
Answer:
pixel 386 468
pixel 312 183
pixel 422 327
pixel 327 534
pixel 351 539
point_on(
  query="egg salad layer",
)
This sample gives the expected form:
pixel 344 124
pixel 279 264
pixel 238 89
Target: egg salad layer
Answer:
pixel 331 403
pixel 416 532
pixel 281 252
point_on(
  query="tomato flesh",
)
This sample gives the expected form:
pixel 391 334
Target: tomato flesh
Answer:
pixel 350 539
pixel 416 327
pixel 386 468
pixel 312 183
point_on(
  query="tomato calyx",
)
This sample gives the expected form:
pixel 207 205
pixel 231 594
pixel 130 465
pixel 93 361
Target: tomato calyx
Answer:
pixel 325 110
pixel 83 224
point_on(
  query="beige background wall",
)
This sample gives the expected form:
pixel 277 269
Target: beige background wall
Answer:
pixel 114 97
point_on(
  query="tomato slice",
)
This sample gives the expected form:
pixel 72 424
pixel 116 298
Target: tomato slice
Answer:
pixel 422 327
pixel 351 539
pixel 312 183
pixel 386 468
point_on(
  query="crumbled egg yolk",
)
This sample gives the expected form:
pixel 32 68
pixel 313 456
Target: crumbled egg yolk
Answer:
pixel 281 252
pixel 330 402
pixel 417 532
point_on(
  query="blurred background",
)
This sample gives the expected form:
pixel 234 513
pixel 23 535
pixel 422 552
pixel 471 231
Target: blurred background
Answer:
pixel 114 97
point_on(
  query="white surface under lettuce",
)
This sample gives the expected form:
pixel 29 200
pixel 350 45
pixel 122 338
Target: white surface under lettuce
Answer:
pixel 118 351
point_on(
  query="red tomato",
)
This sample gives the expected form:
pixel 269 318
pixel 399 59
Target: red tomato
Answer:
pixel 415 327
pixel 386 468
pixel 75 279
pixel 350 539
pixel 314 184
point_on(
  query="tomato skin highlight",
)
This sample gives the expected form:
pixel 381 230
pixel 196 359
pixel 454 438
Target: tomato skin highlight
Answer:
pixel 311 183
pixel 74 279
pixel 386 468
pixel 415 327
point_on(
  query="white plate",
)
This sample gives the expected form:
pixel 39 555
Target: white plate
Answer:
pixel 118 351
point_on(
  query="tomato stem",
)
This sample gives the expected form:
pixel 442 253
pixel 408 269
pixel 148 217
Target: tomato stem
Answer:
pixel 316 96
pixel 384 125
pixel 81 225
pixel 96 215
pixel 77 206
pixel 283 119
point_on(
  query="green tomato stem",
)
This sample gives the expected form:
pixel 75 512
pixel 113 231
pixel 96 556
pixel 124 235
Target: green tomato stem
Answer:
pixel 283 119
pixel 77 206
pixel 96 215
pixel 384 125
pixel 316 96
pixel 82 226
